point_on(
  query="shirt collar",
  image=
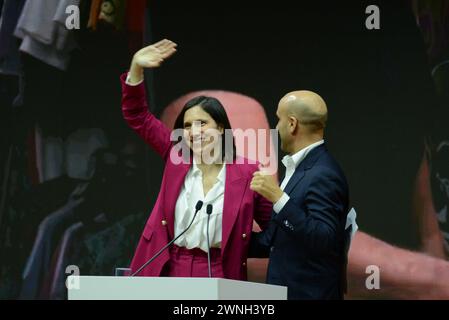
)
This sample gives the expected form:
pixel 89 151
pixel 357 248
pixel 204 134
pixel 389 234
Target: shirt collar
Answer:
pixel 197 171
pixel 221 175
pixel 293 161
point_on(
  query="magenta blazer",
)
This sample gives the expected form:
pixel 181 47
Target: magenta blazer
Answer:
pixel 241 204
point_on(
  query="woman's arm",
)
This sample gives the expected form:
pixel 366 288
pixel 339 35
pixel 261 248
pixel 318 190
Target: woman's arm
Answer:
pixel 262 211
pixel 262 215
pixel 134 104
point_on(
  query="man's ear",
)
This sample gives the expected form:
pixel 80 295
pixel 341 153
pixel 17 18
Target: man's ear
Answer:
pixel 292 124
pixel 220 129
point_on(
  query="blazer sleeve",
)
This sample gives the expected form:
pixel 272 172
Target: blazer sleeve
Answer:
pixel 259 245
pixel 140 119
pixel 316 222
pixel 262 211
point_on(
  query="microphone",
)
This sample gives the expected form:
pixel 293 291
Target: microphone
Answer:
pixel 209 212
pixel 198 207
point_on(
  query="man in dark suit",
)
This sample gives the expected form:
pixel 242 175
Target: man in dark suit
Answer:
pixel 306 241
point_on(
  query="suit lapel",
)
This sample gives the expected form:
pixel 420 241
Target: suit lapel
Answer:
pixel 235 186
pixel 306 164
pixel 297 176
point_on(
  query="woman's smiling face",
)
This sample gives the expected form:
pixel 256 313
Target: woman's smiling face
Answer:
pixel 200 129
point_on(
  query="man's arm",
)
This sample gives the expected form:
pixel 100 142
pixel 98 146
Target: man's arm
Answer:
pixel 316 224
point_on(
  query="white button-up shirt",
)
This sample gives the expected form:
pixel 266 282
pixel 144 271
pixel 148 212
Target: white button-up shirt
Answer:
pixel 291 163
pixel 191 192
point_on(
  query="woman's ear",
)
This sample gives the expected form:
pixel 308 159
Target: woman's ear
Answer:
pixel 220 129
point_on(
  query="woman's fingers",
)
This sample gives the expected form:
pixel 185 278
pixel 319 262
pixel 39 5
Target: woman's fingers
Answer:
pixel 161 43
pixel 165 44
pixel 155 54
pixel 163 49
pixel 167 48
pixel 168 53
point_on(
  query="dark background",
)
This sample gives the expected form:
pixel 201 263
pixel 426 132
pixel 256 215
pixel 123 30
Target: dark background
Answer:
pixel 376 83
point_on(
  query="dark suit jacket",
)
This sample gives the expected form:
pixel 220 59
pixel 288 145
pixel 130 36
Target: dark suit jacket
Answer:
pixel 306 240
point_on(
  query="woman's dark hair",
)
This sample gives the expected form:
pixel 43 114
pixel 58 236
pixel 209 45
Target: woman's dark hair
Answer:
pixel 217 112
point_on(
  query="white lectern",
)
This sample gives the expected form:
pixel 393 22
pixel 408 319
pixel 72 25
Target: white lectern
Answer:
pixel 165 288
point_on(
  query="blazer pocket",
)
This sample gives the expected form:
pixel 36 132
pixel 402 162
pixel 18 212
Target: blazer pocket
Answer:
pixel 147 233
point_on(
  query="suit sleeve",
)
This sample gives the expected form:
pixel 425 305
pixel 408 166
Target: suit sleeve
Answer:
pixel 259 246
pixel 316 222
pixel 136 114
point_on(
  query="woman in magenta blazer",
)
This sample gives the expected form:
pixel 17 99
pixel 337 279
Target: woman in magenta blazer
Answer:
pixel 225 184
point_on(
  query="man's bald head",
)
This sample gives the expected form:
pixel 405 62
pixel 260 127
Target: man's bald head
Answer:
pixel 307 107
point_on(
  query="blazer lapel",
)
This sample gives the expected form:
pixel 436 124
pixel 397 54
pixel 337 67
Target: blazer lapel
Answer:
pixel 235 186
pixel 174 184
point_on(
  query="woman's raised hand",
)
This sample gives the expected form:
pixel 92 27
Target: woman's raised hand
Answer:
pixel 151 56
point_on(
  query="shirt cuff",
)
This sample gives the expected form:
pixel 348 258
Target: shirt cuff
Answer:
pixel 279 205
pixel 128 82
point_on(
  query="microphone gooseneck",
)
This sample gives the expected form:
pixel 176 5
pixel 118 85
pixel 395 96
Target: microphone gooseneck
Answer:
pixel 209 212
pixel 198 207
